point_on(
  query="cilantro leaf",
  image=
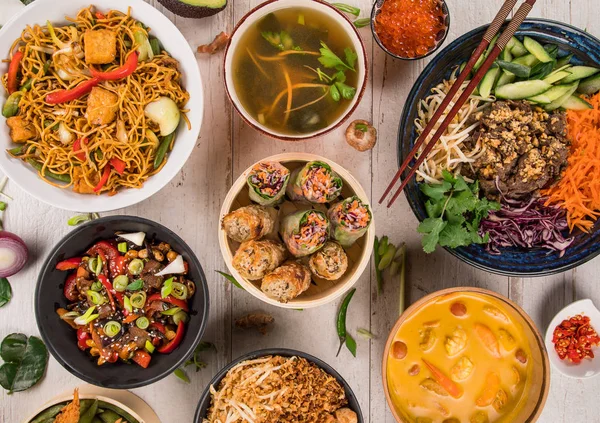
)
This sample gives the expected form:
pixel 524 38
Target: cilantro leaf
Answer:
pixel 330 60
pixel 448 177
pixel 461 185
pixel 351 57
pixel 436 191
pixel 455 236
pixel 339 76
pixel 434 208
pixel 347 91
pixel 431 228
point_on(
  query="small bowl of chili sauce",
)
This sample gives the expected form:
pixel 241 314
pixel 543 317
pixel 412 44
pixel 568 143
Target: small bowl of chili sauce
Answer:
pixel 410 29
pixel 573 340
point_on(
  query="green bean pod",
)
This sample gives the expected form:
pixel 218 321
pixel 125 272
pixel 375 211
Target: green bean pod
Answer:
pixel 109 416
pixel 107 406
pixel 48 173
pixel 48 413
pixel 162 150
pixel 11 106
pixel 96 419
pixel 88 415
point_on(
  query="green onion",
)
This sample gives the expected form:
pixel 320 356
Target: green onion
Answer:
pixel 301 19
pixel 361 23
pixel 80 218
pixel 112 328
pixel 179 291
pixel 172 311
pixel 95 297
pixel 95 265
pixel 142 322
pixel 135 285
pixel 136 266
pixel 149 347
pixel 95 215
pixel 127 303
pixel 96 286
pixel 347 8
pixel 180 316
pixel 167 288
pixel 122 247
pixel 87 317
pixel 138 299
pixel 120 283
pixel 70 315
pixel 365 333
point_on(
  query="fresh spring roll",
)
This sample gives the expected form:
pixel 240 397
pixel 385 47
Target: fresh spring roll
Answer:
pixel 250 222
pixel 304 232
pixel 350 219
pixel 254 259
pixel 267 182
pixel 315 183
pixel 330 262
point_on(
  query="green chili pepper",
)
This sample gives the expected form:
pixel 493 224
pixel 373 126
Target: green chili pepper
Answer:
pixel 11 107
pixel 88 416
pixel 230 279
pixel 341 319
pixel 162 150
pixel 387 258
pixel 48 173
pixel 377 259
pixel 361 23
pixel 347 8
pixel 383 245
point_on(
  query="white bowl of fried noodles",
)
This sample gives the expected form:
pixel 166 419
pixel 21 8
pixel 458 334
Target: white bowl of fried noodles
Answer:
pixel 278 386
pixel 28 178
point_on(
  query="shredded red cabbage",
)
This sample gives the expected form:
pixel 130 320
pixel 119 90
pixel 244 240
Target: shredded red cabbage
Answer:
pixel 526 224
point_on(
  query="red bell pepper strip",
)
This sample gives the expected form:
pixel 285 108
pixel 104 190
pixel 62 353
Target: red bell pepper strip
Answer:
pixel 77 148
pixel 111 291
pixel 158 326
pixel 142 358
pixel 82 337
pixel 174 343
pixel 109 250
pixel 69 264
pixel 169 299
pixel 104 178
pixel 117 266
pixel 100 15
pixel 13 69
pixel 118 165
pixel 124 71
pixel 70 289
pixel 80 90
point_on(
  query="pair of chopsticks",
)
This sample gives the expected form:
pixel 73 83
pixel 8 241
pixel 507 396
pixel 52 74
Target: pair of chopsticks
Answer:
pixel 503 40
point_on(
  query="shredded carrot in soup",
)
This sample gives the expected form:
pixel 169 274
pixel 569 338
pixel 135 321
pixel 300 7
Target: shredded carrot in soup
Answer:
pixel 578 190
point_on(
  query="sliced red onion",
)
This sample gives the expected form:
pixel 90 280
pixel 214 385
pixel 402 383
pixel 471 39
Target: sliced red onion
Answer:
pixel 13 254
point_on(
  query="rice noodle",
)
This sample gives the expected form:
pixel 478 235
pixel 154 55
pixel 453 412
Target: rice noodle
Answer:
pixel 449 152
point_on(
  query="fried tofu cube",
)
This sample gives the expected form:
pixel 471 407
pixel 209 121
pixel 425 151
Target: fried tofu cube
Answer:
pixel 21 130
pixel 102 106
pixel 80 185
pixel 100 46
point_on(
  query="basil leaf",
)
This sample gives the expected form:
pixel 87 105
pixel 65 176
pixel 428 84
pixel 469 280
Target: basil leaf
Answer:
pixel 181 375
pixel 135 285
pixel 26 366
pixel 230 279
pixel 5 291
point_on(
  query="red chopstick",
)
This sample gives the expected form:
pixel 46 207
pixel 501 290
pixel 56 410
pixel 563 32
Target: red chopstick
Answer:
pixel 493 29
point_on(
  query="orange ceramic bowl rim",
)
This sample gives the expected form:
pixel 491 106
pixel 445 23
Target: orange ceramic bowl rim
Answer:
pixel 541 401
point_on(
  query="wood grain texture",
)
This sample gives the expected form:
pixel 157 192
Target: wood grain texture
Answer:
pixel 190 206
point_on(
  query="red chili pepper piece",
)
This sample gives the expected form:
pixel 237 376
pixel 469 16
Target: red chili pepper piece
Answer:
pixel 70 289
pixel 574 338
pixel 80 90
pixel 118 165
pixel 109 289
pixel 77 148
pixel 124 71
pixel 69 264
pixel 82 337
pixel 169 299
pixel 12 84
pixel 103 179
pixel 142 358
pixel 174 343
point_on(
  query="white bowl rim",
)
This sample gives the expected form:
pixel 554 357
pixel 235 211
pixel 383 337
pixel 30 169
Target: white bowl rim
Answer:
pixel 28 179
pixel 358 43
pixel 590 368
pixel 297 303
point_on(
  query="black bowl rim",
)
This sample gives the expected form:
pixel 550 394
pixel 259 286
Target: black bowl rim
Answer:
pixel 374 11
pixel 285 352
pixel 48 340
pixel 410 100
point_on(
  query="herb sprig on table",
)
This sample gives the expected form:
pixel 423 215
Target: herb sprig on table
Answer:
pixel 455 211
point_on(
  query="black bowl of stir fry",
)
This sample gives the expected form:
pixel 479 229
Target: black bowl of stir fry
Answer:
pixel 121 302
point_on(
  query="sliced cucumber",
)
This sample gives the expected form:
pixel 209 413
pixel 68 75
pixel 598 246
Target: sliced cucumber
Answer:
pixel 537 50
pixel 576 103
pixel 527 60
pixel 554 93
pixel 517 48
pixel 540 99
pixel 554 77
pixel 486 54
pixel 565 60
pixel 488 81
pixel 521 71
pixel 561 100
pixel 590 85
pixel 523 89
pixel 580 72
pixel 506 55
pixel 506 78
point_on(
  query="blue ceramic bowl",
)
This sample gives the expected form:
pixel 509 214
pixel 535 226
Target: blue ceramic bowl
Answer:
pixel 512 261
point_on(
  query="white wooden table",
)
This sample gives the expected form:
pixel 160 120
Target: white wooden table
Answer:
pixel 190 206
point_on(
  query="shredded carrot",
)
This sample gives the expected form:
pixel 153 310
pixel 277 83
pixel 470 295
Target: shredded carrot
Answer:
pixel 578 190
pixel 290 90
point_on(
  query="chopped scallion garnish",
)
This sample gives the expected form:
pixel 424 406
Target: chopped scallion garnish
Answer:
pixel 171 312
pixel 95 297
pixel 122 247
pixel 142 322
pixel 120 283
pixel 80 218
pixel 167 288
pixel 87 317
pixel 138 299
pixel 112 328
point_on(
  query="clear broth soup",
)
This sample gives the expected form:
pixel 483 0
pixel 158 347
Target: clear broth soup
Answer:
pixel 281 53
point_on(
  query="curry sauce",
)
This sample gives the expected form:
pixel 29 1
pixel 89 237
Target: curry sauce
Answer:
pixel 461 357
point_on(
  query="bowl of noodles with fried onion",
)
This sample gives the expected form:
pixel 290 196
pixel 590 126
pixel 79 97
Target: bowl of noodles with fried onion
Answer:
pixel 101 104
